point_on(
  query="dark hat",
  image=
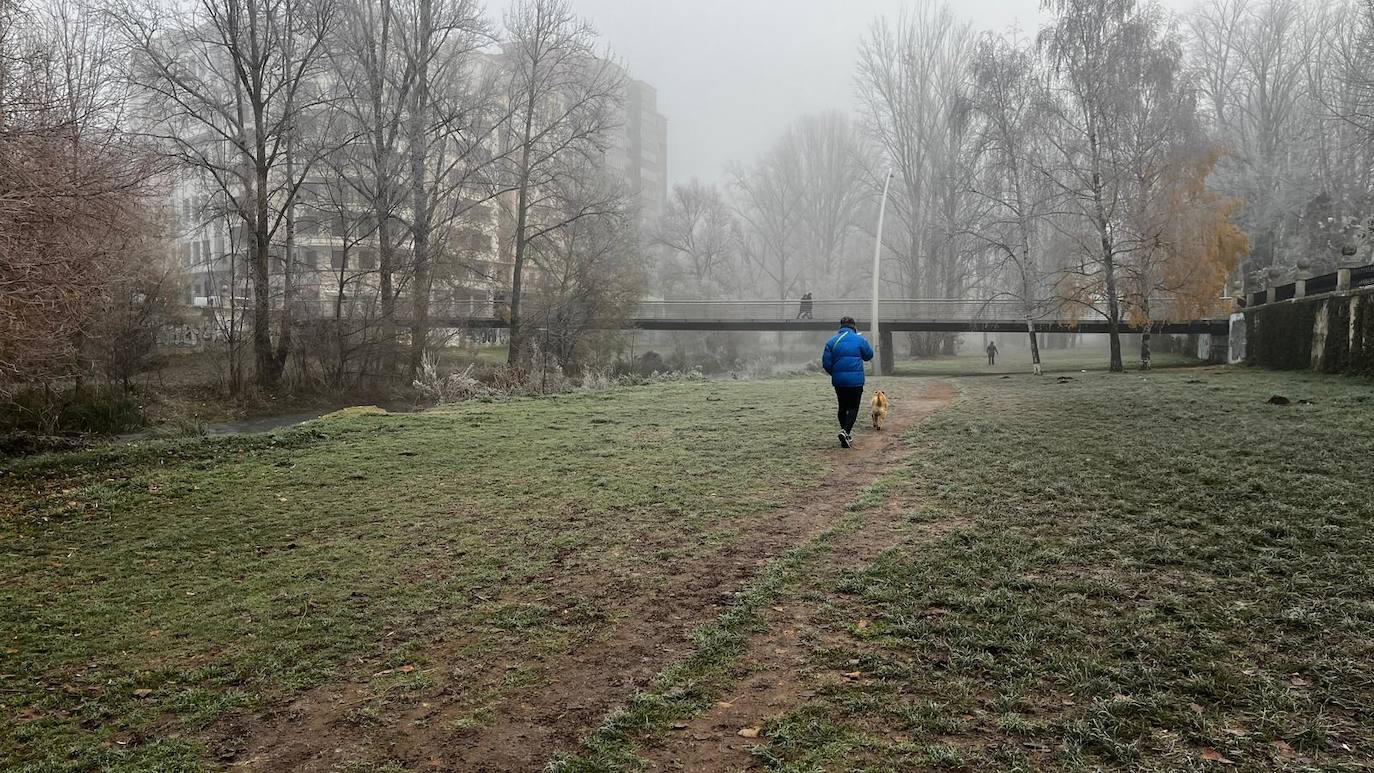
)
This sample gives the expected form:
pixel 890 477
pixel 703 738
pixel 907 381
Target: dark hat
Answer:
pixel 847 321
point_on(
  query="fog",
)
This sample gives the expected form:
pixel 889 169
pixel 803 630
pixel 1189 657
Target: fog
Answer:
pixel 731 74
pixel 338 191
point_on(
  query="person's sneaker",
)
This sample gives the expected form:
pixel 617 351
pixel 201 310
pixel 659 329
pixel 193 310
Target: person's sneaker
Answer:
pixel 850 437
pixel 844 439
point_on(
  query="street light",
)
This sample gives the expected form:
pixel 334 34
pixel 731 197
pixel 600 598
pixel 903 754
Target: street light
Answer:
pixel 877 255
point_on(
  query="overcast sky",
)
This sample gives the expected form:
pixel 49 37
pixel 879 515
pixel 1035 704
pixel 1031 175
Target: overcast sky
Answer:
pixel 731 74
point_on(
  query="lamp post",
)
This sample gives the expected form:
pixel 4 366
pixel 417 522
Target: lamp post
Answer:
pixel 877 256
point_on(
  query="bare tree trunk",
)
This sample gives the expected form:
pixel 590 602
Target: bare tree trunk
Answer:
pixel 518 346
pixel 1108 256
pixel 263 356
pixel 420 228
pixel 288 258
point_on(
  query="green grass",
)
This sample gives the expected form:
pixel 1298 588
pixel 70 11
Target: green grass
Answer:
pixel 148 591
pixel 1158 570
pixel 1016 360
pixel 1148 571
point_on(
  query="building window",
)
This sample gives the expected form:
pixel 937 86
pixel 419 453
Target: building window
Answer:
pixel 311 259
pixel 336 259
pixel 367 260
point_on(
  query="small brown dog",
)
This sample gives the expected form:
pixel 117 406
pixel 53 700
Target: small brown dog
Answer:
pixel 878 405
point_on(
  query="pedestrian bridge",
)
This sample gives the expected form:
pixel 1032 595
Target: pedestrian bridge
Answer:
pixel 894 315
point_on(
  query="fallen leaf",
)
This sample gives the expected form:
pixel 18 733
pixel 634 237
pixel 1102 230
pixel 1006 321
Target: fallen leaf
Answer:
pixel 679 725
pixel 407 668
pixel 1195 707
pixel 1212 755
pixel 723 704
pixel 1283 747
pixel 853 675
pixel 1235 731
pixel 748 732
pixel 862 624
pixel 1298 681
pixel 142 692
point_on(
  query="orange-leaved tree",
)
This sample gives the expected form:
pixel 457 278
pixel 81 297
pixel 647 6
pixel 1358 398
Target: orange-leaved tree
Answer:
pixel 1184 243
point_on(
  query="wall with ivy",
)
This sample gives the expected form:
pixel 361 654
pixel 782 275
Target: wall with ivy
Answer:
pixel 1332 334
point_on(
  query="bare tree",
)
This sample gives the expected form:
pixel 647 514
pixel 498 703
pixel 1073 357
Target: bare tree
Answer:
pixel 231 86
pixel 700 237
pixel 769 208
pixel 374 78
pixel 73 214
pixel 564 100
pixel 452 125
pixel 1114 98
pixel 1252 57
pixel 590 272
pixel 1354 64
pixel 833 190
pixel 1009 99
pixel 912 84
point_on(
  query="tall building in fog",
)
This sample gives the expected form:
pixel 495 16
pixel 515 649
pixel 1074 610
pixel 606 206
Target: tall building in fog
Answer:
pixel 640 152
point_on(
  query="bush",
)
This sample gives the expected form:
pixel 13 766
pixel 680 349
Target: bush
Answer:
pixel 90 410
pixel 453 388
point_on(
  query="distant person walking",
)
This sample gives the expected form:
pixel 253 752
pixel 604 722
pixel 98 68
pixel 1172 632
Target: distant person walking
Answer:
pixel 844 358
pixel 992 353
pixel 805 311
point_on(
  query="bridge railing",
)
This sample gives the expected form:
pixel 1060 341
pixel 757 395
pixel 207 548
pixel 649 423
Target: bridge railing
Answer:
pixel 888 309
pixel 910 310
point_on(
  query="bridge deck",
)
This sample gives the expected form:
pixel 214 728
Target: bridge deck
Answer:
pixel 1212 326
pixel 896 315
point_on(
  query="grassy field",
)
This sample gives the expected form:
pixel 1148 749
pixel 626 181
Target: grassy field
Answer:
pixel 148 591
pixel 1141 572
pixel 1015 361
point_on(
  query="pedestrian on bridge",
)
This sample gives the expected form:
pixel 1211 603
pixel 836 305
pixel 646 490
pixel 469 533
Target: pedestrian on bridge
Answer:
pixel 844 358
pixel 805 311
pixel 992 353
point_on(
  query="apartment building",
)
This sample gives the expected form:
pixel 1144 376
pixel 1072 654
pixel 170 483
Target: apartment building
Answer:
pixel 640 151
pixel 334 248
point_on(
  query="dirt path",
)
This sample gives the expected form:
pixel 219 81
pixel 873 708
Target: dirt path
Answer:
pixel 571 691
pixel 772 676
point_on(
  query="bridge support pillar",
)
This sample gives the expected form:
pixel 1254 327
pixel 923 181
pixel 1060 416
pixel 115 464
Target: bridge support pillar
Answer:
pixel 1342 279
pixel 886 355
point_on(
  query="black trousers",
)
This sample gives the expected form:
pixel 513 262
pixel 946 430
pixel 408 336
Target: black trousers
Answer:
pixel 849 399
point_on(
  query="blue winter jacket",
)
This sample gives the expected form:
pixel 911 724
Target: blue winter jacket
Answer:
pixel 844 358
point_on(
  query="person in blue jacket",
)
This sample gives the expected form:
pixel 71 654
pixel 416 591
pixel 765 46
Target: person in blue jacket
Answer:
pixel 844 358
